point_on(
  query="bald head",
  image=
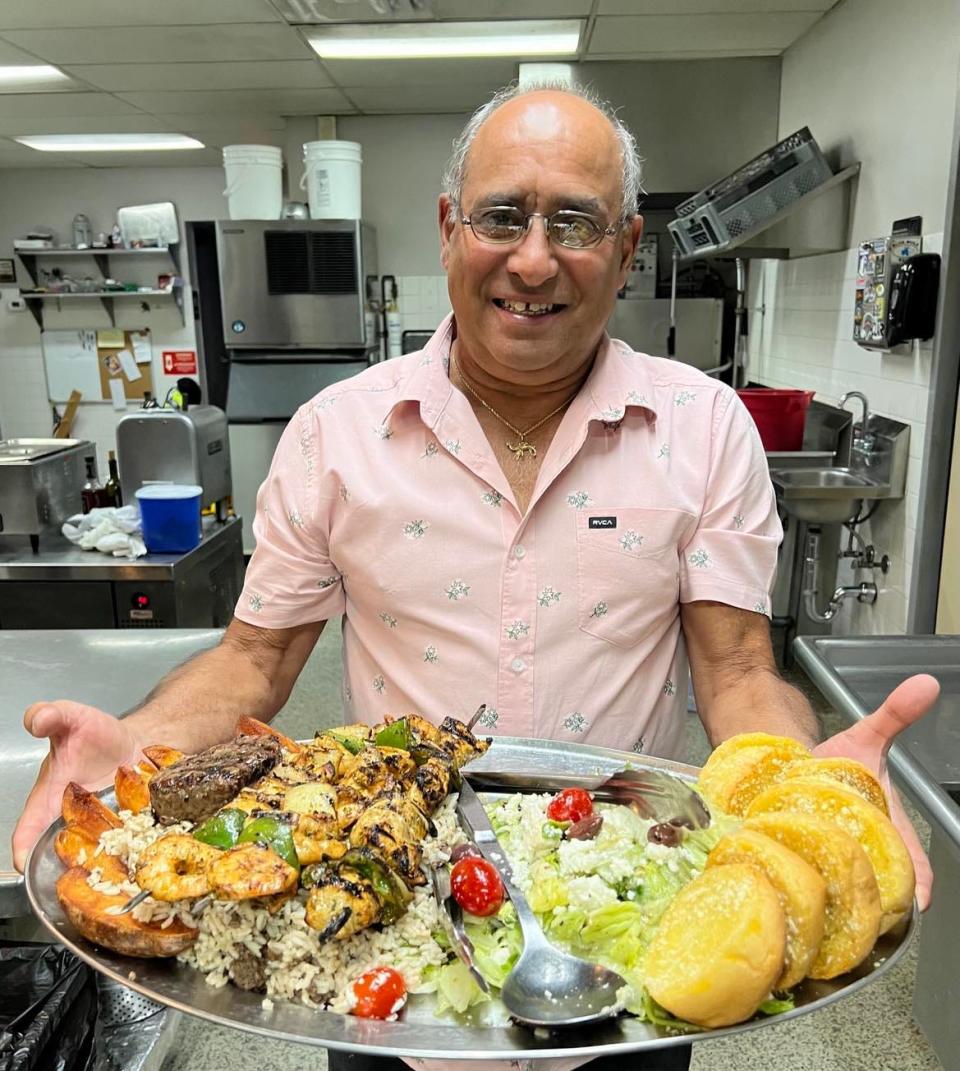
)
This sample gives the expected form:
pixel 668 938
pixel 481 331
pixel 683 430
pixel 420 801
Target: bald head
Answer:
pixel 541 112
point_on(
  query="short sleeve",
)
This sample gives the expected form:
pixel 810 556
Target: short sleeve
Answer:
pixel 290 579
pixel 731 557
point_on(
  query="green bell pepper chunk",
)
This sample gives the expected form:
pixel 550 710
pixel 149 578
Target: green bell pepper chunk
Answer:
pixel 389 888
pixel 222 829
pixel 351 743
pixel 273 834
pixel 396 734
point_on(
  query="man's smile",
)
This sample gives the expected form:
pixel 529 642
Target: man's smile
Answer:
pixel 528 310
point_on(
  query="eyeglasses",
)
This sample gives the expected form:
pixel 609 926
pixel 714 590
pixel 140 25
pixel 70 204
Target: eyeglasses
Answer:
pixel 507 223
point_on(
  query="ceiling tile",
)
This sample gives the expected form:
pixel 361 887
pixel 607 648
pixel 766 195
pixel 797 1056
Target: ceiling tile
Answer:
pixel 86 124
pixel 421 72
pixel 16 57
pixel 45 165
pixel 708 7
pixel 184 44
pixel 28 14
pixel 278 101
pixel 663 35
pixel 190 122
pixel 512 9
pixel 248 132
pixel 420 99
pixel 61 85
pixel 180 158
pixel 267 74
pixel 61 104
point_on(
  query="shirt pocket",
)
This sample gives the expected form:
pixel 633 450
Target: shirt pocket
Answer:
pixel 628 571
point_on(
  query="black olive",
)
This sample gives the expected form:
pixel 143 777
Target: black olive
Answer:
pixel 664 833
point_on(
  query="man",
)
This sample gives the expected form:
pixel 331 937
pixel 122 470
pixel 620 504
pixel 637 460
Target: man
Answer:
pixel 524 514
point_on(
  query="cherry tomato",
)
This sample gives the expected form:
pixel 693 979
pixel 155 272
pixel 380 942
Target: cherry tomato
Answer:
pixel 380 993
pixel 570 805
pixel 476 886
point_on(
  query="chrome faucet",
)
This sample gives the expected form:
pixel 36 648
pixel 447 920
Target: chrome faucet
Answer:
pixel 864 442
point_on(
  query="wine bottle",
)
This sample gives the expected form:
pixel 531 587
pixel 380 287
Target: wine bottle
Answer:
pixel 91 492
pixel 111 489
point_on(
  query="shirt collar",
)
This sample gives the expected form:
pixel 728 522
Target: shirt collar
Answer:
pixel 619 379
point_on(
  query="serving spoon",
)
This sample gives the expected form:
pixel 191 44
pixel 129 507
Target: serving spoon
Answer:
pixel 546 987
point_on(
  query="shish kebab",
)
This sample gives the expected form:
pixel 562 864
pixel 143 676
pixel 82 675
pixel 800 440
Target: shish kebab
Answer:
pixel 350 808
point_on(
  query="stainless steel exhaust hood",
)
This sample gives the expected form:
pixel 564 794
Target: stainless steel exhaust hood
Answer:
pixel 747 211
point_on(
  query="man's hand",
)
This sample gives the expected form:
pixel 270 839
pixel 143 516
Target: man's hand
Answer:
pixel 86 746
pixel 869 741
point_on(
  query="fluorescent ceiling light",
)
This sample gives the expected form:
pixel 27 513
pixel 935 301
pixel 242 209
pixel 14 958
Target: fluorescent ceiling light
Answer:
pixel 521 37
pixel 36 73
pixel 108 142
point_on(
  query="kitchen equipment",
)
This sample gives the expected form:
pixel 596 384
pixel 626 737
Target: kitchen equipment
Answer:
pixel 484 1032
pixel 289 284
pixel 170 516
pixel 750 197
pixel 451 918
pixel 82 231
pixel 40 485
pixel 254 177
pixel 295 210
pixel 779 415
pixel 644 324
pixel 188 446
pixel 64 587
pixel 547 987
pixel 331 176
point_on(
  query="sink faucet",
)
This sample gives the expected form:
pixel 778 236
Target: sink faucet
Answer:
pixel 864 442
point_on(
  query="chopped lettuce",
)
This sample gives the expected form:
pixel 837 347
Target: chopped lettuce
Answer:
pixel 776 1005
pixel 456 988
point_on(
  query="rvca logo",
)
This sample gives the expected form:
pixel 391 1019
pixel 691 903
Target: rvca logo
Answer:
pixel 602 522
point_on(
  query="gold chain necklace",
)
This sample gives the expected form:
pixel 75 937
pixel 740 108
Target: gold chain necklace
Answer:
pixel 522 448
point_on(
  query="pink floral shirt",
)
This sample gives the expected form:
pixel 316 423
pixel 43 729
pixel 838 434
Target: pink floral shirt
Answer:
pixel 385 505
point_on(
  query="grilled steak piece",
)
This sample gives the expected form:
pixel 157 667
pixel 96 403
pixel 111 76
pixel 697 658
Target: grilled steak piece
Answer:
pixel 199 785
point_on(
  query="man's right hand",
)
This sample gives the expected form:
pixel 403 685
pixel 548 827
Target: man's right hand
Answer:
pixel 86 746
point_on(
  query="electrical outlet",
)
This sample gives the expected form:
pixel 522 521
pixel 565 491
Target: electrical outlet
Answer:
pixel 13 302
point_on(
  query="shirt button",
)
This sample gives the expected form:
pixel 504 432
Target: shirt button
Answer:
pixel 518 665
pixel 519 550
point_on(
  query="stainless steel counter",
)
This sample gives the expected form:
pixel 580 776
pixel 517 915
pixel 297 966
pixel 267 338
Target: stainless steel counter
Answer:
pixel 106 668
pixel 61 560
pixel 856 675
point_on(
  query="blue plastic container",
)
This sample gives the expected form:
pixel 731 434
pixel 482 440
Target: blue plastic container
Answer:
pixel 170 516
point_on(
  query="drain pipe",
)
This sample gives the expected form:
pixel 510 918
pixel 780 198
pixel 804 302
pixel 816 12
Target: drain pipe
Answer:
pixel 863 592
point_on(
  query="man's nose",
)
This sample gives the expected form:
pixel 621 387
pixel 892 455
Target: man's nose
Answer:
pixel 532 258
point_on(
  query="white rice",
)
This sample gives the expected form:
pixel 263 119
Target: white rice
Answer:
pixel 297 966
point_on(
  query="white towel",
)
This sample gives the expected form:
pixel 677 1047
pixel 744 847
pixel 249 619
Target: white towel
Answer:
pixel 110 529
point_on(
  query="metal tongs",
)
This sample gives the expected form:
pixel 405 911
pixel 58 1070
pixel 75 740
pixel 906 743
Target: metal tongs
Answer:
pixel 651 793
pixel 451 915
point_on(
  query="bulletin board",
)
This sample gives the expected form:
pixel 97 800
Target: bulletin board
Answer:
pixel 119 361
pixel 74 360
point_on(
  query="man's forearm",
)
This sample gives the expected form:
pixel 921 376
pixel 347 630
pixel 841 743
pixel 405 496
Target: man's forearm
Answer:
pixel 250 672
pixel 760 700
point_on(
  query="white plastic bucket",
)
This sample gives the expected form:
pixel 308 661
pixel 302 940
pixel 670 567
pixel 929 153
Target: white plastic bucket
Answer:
pixel 331 176
pixel 254 181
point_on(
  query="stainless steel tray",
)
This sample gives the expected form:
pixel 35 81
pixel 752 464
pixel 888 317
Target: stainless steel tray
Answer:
pixel 486 1034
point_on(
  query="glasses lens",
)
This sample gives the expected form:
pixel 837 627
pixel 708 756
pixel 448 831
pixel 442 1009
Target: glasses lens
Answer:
pixel 575 231
pixel 498 224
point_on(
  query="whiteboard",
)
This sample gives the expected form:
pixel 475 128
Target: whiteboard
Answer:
pixel 70 357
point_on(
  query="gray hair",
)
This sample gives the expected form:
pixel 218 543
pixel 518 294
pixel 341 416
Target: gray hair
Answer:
pixel 631 162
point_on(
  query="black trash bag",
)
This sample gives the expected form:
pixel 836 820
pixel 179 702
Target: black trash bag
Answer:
pixel 48 1009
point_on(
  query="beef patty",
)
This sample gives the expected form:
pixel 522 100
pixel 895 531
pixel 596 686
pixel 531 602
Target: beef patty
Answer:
pixel 199 785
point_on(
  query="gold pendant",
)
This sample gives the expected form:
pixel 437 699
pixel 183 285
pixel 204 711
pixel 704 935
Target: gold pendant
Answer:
pixel 521 449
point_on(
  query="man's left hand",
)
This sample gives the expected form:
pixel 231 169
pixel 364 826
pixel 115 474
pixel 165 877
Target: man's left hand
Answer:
pixel 869 741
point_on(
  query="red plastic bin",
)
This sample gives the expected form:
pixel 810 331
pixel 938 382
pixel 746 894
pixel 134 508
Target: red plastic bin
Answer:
pixel 780 415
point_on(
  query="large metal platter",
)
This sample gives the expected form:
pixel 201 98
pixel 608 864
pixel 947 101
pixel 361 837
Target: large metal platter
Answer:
pixel 486 1035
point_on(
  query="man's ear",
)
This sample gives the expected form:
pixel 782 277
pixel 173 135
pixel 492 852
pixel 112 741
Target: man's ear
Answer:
pixel 630 235
pixel 446 218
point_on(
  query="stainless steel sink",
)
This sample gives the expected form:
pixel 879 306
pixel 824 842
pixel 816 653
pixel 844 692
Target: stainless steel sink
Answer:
pixel 825 495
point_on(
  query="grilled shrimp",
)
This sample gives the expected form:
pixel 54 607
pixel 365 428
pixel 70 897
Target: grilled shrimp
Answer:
pixel 248 871
pixel 175 867
pixel 341 904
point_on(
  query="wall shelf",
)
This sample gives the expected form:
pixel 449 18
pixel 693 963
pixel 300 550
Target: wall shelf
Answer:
pixel 35 301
